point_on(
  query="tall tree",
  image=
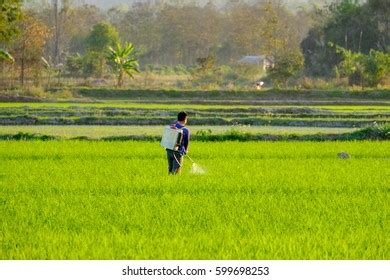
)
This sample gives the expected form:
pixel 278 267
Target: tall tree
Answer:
pixel 140 26
pixel 272 27
pixel 287 64
pixel 9 17
pixel 75 23
pixel 79 23
pixel 363 69
pixel 60 14
pixel 347 23
pixel 28 49
pixel 380 15
pixel 243 30
pixel 102 36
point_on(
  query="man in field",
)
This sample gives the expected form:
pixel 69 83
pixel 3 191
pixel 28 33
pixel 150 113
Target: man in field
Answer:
pixel 175 158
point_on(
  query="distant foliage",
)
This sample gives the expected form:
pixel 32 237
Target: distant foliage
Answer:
pixel 206 63
pixel 357 26
pixel 364 69
pixel 102 36
pixel 194 44
pixel 9 16
pixel 287 64
pixel 28 49
pixel 370 133
pixel 4 55
pixel 123 61
pixel 377 67
pixel 74 64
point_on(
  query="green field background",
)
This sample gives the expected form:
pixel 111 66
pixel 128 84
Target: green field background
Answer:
pixel 258 200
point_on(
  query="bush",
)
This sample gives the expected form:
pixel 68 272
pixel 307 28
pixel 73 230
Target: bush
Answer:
pixel 92 64
pixel 363 69
pixel 248 72
pixel 40 93
pixel 27 136
pixel 316 83
pixel 74 64
pixel 180 69
pixel 35 92
pixel 375 132
pixel 203 132
pixel 287 64
pixel 385 81
pixel 64 94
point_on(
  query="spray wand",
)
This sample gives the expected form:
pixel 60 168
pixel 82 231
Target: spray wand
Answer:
pixel 195 169
pixel 190 158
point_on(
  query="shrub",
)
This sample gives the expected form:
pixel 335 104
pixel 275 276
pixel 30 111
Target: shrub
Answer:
pixel 203 132
pixel 180 69
pixel 74 64
pixel 248 72
pixel 27 136
pixel 375 132
pixel 35 92
pixel 363 69
pixel 317 83
pixel 64 94
pixel 287 64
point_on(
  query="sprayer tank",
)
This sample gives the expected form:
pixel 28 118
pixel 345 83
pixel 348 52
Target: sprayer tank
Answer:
pixel 172 138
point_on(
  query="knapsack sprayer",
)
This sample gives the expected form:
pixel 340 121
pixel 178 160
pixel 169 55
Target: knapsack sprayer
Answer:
pixel 172 139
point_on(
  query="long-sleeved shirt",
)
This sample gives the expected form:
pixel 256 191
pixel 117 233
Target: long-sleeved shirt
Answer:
pixel 186 138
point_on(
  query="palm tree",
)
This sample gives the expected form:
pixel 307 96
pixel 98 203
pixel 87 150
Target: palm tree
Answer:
pixel 4 55
pixel 123 60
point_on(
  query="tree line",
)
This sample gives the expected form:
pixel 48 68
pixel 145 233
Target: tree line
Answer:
pixel 306 41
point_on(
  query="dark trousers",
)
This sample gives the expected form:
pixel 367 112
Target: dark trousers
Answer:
pixel 175 161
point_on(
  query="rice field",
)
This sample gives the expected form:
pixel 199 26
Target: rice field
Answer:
pixel 200 115
pixel 258 200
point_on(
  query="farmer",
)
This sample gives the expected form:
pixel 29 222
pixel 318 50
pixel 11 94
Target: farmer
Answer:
pixel 175 158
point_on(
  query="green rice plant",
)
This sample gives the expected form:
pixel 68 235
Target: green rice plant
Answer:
pixel 258 200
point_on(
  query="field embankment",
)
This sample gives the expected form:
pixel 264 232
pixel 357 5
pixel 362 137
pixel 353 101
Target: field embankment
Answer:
pixel 251 97
pixel 263 97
